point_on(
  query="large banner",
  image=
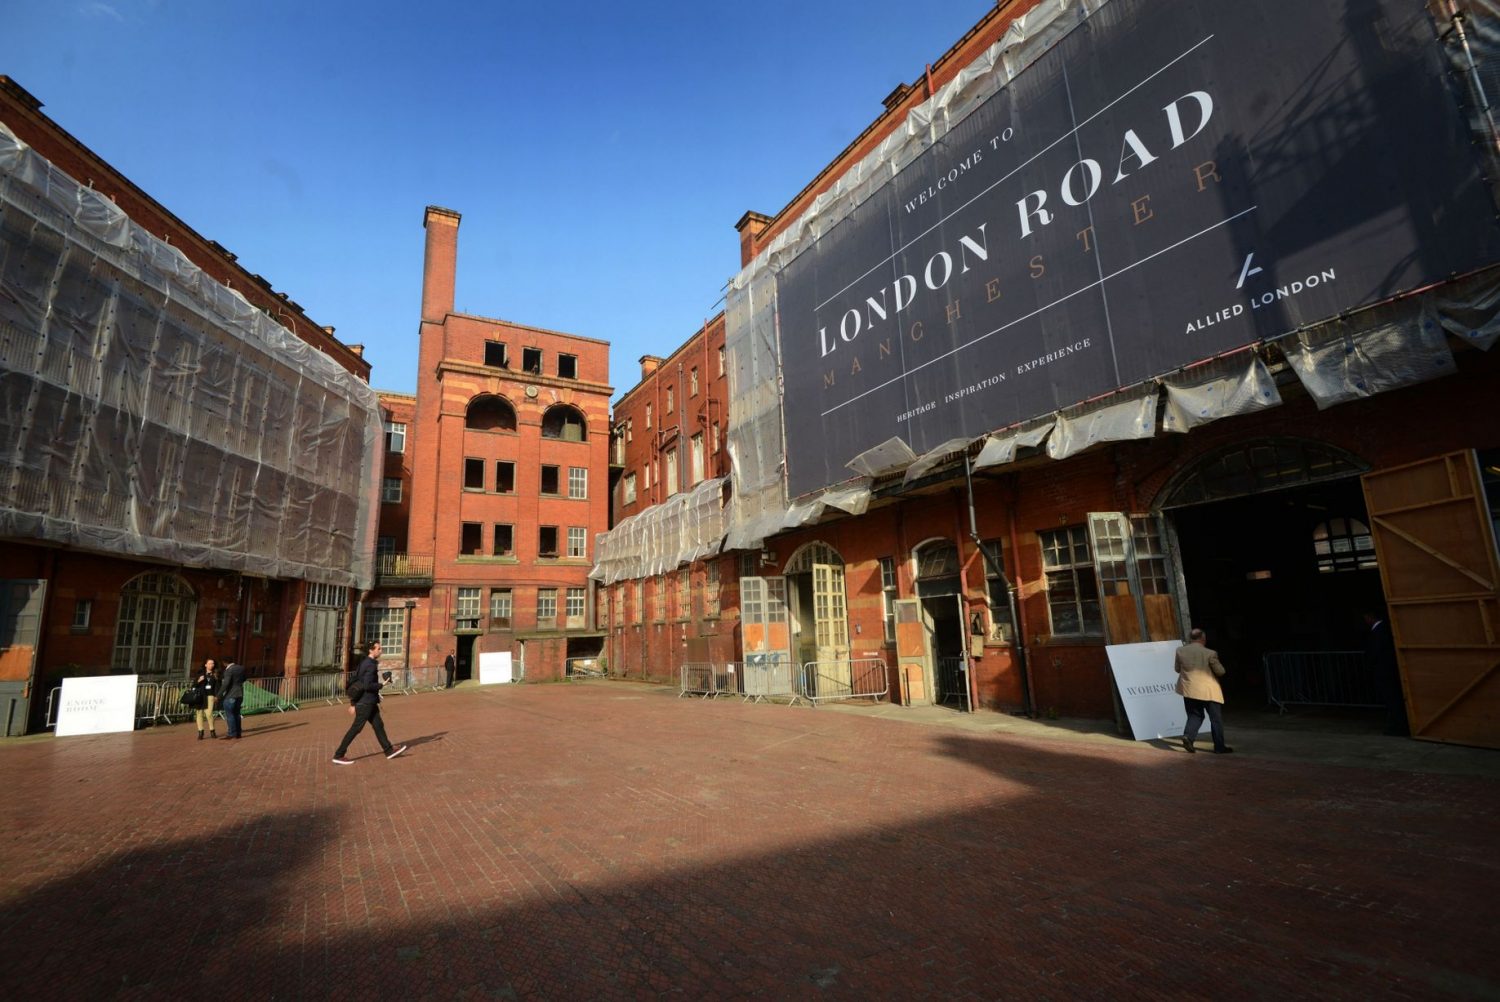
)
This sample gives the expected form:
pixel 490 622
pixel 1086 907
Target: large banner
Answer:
pixel 1172 180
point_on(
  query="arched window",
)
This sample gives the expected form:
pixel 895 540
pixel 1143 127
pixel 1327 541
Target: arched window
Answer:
pixel 1343 544
pixel 563 422
pixel 1255 467
pixel 938 568
pixel 155 627
pixel 490 413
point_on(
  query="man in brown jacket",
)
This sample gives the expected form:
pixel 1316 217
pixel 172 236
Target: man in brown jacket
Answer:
pixel 1198 673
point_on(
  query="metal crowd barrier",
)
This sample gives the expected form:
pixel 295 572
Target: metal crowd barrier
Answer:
pixel 707 679
pixel 1320 678
pixel 861 678
pixel 766 677
pixel 953 680
pixel 583 668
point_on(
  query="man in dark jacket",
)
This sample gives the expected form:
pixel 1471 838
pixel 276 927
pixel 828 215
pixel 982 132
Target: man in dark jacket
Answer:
pixel 365 694
pixel 450 665
pixel 232 694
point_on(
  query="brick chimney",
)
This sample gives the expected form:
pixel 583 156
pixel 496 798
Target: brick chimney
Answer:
pixel 649 364
pixel 440 262
pixel 751 226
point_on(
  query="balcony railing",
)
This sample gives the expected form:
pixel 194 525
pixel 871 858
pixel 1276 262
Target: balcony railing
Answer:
pixel 402 569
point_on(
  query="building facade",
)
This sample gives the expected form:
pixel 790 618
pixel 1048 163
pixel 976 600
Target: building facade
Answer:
pixel 168 494
pixel 503 486
pixel 1269 492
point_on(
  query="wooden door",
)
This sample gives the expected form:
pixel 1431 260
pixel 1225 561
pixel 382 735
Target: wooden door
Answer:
pixel 1435 543
pixel 913 655
pixel 1135 579
pixel 21 605
pixel 831 626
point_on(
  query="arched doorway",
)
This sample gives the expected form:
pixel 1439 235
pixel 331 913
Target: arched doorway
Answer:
pixel 153 635
pixel 1276 557
pixel 817 608
pixel 940 590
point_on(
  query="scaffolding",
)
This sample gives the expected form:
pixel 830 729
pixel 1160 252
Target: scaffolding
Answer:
pixel 147 410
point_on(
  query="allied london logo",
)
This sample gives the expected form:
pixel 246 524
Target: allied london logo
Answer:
pixel 1258 297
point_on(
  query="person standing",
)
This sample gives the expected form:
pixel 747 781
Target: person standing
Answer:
pixel 206 681
pixel 450 665
pixel 1380 661
pixel 1198 674
pixel 234 697
pixel 364 694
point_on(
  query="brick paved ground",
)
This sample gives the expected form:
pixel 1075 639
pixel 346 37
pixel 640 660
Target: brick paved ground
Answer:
pixel 606 841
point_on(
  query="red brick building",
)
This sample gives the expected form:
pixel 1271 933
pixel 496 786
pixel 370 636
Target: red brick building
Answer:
pixel 488 527
pixel 139 541
pixel 997 571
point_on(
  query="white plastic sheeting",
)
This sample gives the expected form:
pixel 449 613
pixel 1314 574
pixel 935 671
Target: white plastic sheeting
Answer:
pixel 1384 349
pixel 1217 390
pixel 147 410
pixel 1126 416
pixel 684 528
pixel 1001 448
pixel 1468 310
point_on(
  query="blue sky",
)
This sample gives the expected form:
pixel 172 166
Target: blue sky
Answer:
pixel 600 153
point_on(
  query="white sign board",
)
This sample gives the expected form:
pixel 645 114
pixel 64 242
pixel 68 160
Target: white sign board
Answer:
pixel 1148 688
pixel 494 666
pixel 102 704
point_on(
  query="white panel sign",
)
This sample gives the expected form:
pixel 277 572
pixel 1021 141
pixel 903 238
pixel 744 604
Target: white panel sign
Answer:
pixel 1148 688
pixel 494 666
pixel 103 704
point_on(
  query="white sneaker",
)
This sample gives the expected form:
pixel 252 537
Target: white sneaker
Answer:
pixel 395 751
pixel 342 761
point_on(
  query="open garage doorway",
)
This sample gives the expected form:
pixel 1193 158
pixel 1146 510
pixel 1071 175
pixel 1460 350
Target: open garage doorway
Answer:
pixel 1277 560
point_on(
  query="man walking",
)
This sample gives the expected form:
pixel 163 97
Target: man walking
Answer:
pixel 1198 674
pixel 364 694
pixel 450 665
pixel 233 691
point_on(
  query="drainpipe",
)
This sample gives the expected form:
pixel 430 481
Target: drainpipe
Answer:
pixel 993 560
pixel 1018 611
pixel 1457 17
pixel 963 594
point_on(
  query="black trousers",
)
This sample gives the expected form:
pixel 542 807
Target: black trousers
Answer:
pixel 365 713
pixel 1196 708
pixel 450 672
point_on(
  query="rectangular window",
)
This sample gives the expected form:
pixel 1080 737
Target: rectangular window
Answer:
pixel 750 564
pixel 685 593
pixel 647 473
pixel 500 608
pixel 390 490
pixel 711 589
pixel 671 477
pixel 473 474
pixel 1072 589
pixel 888 597
pixel 669 400
pixel 638 607
pixel 221 620
pixel 578 482
pixel 395 436
pixel 546 608
pixel 83 611
pixel 577 541
pixel 547 541
pixel 567 366
pixel 471 539
pixel 721 360
pixel 648 417
pixel 258 624
pixel 505 477
pixel 386 627
pixel 713 438
pixel 495 355
pixel 549 479
pixel 385 546
pixel 630 429
pixel 627 493
pixel 659 599
pixel 619 605
pixel 576 598
pixel 531 360
pixel 695 458
pixel 505 541
pixel 466 610
pixel 693 382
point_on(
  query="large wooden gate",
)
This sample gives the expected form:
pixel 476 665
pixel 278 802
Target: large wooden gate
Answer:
pixel 1438 563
